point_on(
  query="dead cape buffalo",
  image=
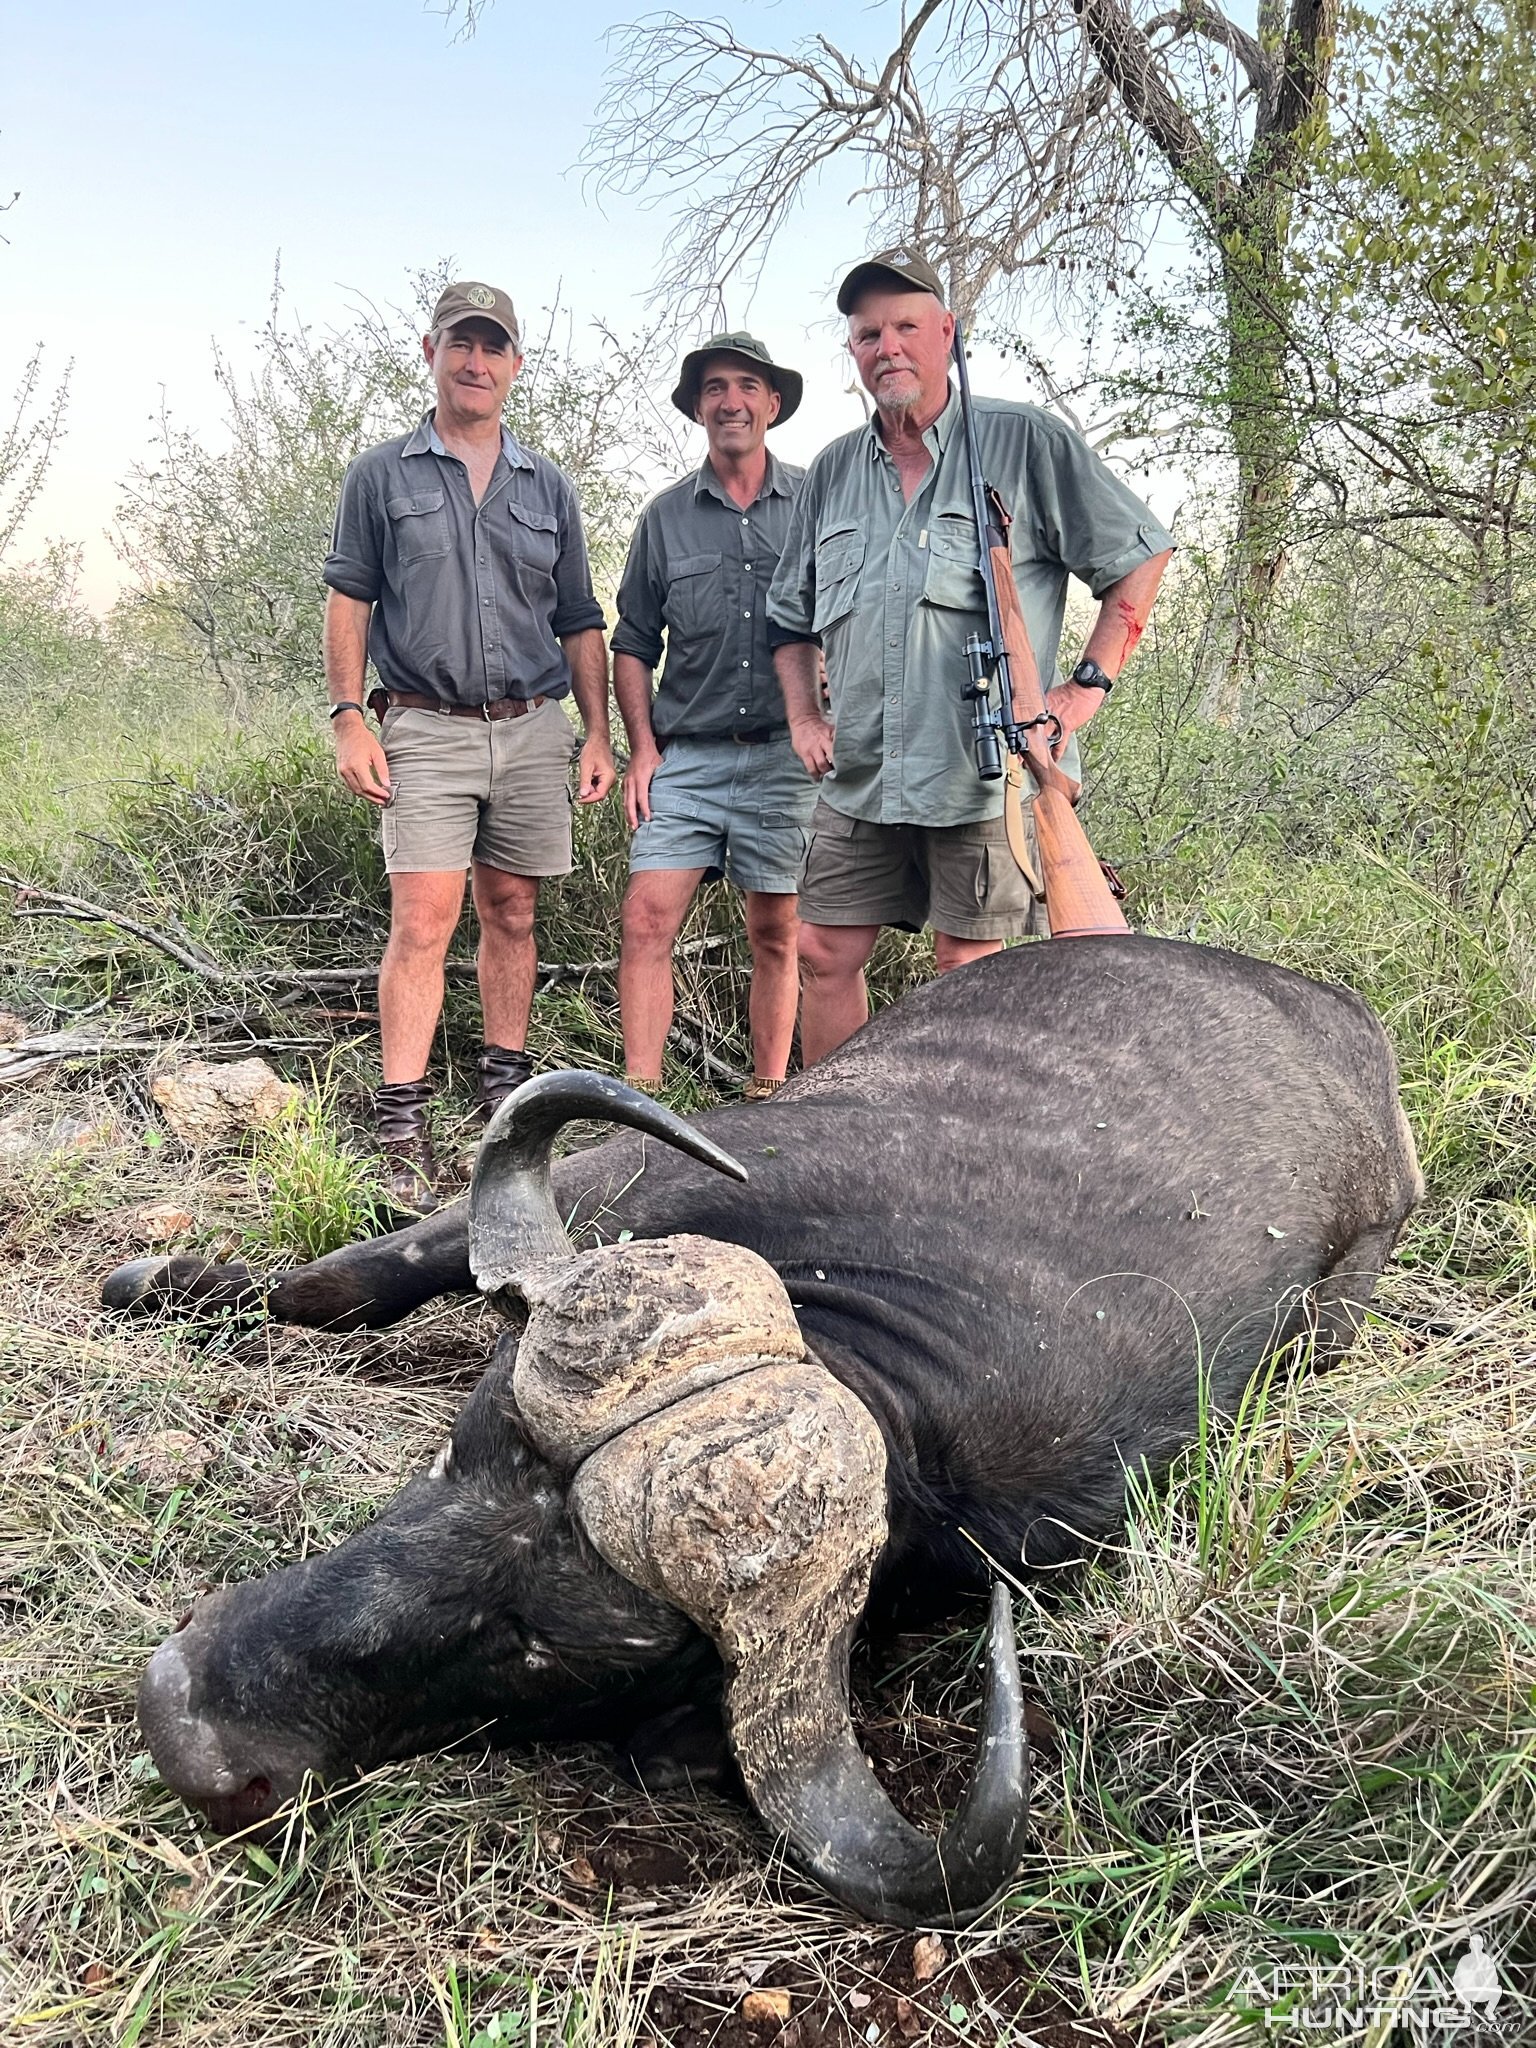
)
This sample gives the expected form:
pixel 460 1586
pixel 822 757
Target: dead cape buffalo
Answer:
pixel 974 1269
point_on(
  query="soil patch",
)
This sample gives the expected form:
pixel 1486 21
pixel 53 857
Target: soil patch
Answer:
pixel 877 1997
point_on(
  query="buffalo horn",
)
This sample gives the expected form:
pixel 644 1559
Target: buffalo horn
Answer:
pixel 757 1506
pixel 513 1221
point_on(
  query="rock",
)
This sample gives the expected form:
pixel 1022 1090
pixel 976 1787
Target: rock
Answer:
pixel 24 1140
pixel 163 1459
pixel 929 1956
pixel 162 1222
pixel 766 2005
pixel 210 1105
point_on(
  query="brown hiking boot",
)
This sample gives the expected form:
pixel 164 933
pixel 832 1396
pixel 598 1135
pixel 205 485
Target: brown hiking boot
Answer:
pixel 410 1168
pixel 503 1069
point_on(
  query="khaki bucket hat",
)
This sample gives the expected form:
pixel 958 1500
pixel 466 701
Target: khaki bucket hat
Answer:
pixel 789 384
pixel 904 264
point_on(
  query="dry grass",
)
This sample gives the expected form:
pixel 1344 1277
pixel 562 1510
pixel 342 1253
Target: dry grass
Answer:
pixel 1297 1710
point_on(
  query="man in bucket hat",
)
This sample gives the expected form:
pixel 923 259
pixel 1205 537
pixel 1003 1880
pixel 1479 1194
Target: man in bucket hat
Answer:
pixel 713 786
pixel 459 567
pixel 880 571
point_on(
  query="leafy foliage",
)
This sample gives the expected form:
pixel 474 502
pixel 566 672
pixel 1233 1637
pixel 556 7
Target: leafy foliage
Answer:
pixel 227 543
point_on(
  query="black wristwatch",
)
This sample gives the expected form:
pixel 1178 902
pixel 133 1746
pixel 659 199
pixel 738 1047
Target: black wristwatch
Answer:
pixel 350 705
pixel 1091 676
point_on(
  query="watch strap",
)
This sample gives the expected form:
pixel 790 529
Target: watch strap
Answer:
pixel 1091 677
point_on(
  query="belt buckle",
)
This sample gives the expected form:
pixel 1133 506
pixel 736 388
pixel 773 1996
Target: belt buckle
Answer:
pixel 485 711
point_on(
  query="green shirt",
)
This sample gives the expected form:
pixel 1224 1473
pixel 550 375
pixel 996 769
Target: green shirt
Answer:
pixel 891 589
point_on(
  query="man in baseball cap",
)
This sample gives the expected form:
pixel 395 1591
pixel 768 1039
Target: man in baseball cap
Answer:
pixel 880 571
pixel 459 568
pixel 713 786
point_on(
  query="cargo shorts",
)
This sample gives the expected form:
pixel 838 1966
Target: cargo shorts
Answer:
pixel 469 789
pixel 730 807
pixel 961 879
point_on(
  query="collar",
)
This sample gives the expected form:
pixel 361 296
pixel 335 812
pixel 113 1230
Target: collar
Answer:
pixel 424 439
pixel 775 483
pixel 935 435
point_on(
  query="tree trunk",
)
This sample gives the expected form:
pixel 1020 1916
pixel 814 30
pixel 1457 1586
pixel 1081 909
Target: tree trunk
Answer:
pixel 1262 426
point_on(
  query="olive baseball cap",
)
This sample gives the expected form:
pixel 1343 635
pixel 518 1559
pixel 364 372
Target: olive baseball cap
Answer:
pixel 789 384
pixel 905 265
pixel 472 301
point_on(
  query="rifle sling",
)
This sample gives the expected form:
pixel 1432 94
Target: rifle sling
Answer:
pixel 1018 831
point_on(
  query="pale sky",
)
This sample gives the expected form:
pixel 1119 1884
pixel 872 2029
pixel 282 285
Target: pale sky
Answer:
pixel 169 152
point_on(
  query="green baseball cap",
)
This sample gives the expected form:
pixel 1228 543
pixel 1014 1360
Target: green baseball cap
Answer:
pixel 905 265
pixel 473 301
pixel 789 384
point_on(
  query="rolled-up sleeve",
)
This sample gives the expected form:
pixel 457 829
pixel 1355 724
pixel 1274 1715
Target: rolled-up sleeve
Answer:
pixel 576 608
pixel 1085 517
pixel 355 564
pixel 792 593
pixel 642 594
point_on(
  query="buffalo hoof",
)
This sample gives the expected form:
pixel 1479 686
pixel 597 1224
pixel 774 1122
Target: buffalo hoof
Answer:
pixel 146 1286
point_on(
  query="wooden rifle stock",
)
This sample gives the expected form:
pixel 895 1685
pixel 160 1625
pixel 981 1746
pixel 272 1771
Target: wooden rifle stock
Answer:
pixel 1077 897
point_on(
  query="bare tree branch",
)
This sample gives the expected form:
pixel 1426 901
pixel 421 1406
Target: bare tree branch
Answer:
pixel 27 444
pixel 979 135
pixel 1133 68
pixel 1200 18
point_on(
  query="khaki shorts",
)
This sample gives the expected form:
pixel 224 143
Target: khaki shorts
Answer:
pixel 469 789
pixel 961 879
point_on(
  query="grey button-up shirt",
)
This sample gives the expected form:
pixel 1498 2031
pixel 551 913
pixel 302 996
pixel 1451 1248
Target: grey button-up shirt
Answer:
pixel 468 600
pixel 892 589
pixel 698 573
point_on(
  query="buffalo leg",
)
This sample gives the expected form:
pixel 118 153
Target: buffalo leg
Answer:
pixel 1341 1298
pixel 361 1287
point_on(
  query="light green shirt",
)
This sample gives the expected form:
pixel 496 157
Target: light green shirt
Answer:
pixel 892 589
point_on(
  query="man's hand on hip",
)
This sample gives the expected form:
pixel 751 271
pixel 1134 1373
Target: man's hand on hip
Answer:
pixel 360 760
pixel 812 740
pixel 643 764
pixel 595 772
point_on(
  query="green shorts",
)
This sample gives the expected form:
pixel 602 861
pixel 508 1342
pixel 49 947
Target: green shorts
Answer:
pixel 469 789
pixel 961 879
pixel 731 808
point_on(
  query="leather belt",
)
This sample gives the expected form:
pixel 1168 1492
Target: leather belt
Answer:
pixel 380 701
pixel 758 735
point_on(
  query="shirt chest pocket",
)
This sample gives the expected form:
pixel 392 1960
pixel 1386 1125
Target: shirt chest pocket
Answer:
pixel 954 565
pixel 839 569
pixel 419 524
pixel 695 601
pixel 534 536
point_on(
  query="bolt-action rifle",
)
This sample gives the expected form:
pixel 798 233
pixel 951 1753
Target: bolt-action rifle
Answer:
pixel 1008 714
